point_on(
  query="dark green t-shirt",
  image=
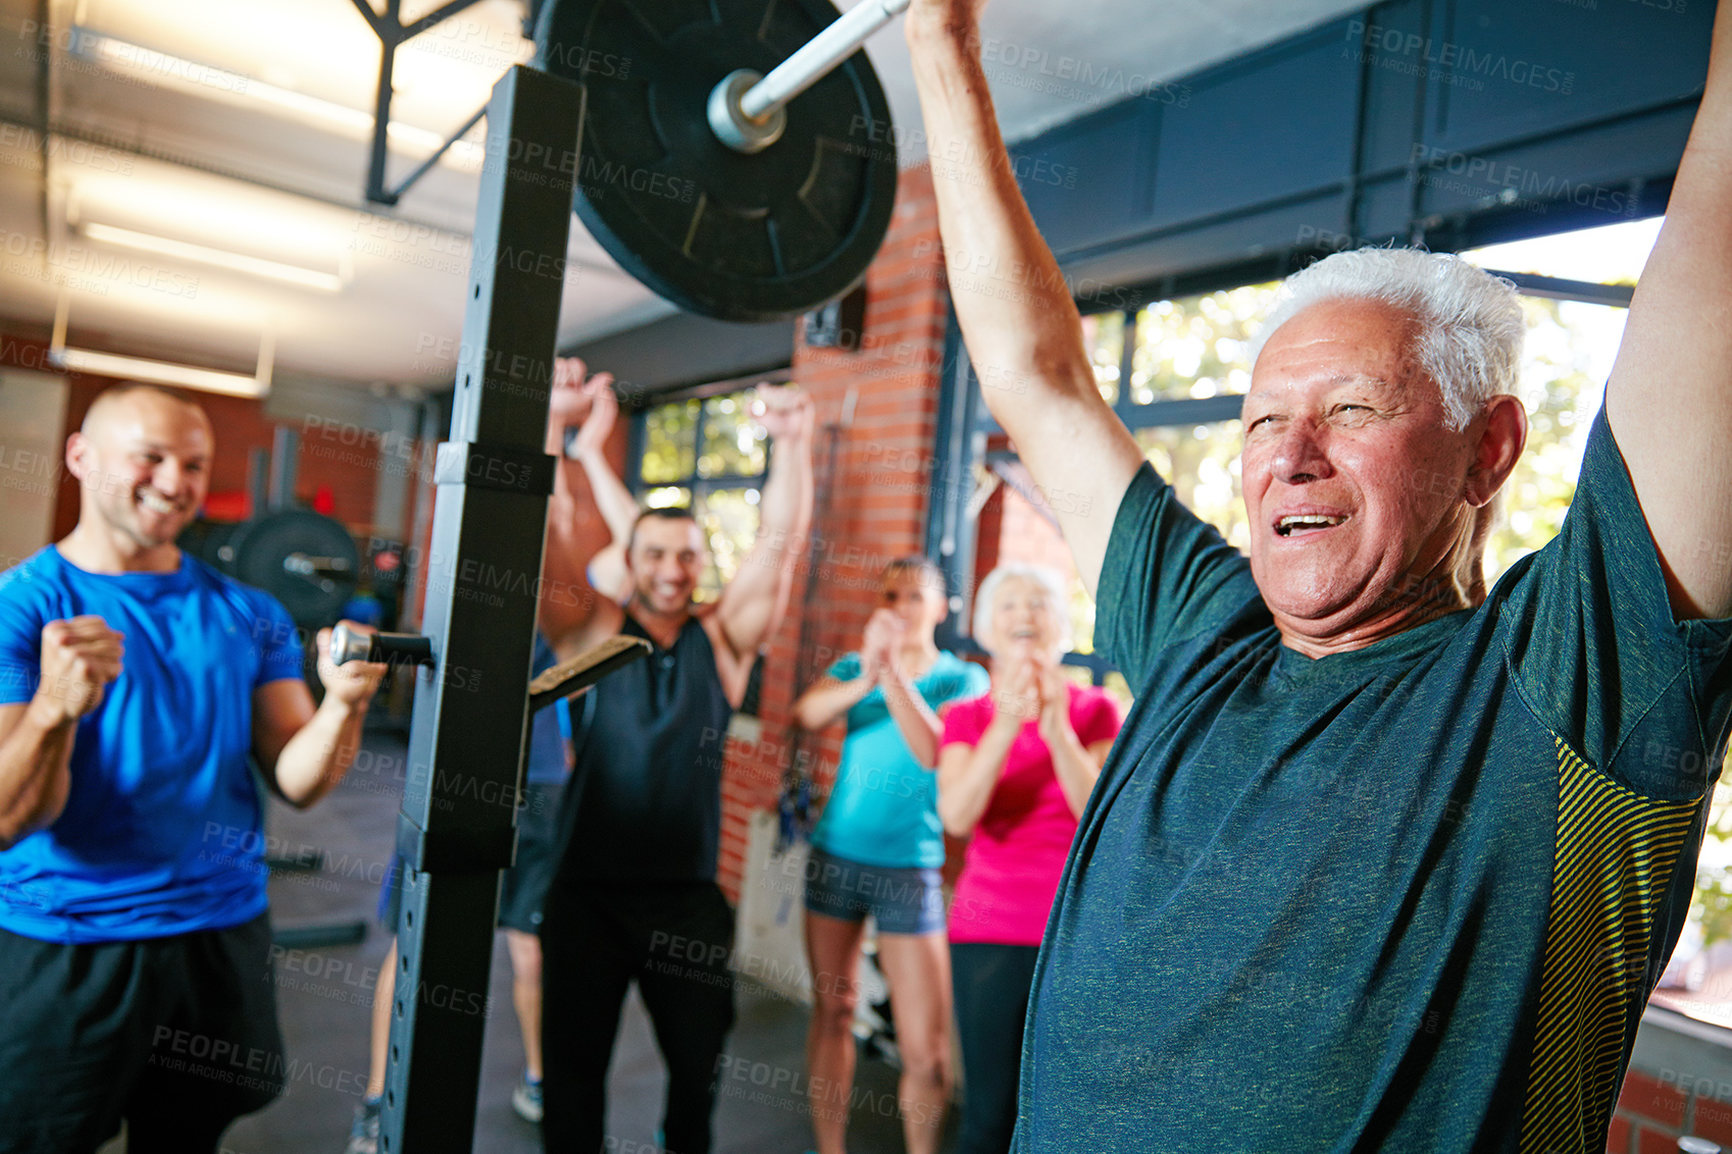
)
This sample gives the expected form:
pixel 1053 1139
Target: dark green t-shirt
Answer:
pixel 1409 898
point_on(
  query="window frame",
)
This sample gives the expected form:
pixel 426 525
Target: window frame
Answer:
pixel 699 487
pixel 693 482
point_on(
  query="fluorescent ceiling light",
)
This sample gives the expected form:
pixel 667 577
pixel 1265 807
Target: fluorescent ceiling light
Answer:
pixel 220 258
pixel 159 372
pixel 172 71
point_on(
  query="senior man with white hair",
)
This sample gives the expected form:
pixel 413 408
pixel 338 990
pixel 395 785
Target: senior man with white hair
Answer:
pixel 1382 860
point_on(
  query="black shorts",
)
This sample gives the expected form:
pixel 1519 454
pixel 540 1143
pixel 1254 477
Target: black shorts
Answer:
pixel 522 887
pixel 165 1032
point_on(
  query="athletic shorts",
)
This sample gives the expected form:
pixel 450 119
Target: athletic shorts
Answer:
pixel 176 1027
pixel 522 887
pixel 901 901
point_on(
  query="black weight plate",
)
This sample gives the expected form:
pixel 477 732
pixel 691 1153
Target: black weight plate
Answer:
pixel 205 540
pixel 718 232
pixel 261 547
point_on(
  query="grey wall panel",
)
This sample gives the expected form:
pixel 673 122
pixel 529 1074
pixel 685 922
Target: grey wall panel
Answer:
pixel 1385 211
pixel 1099 277
pixel 1279 124
pixel 683 350
pixel 1593 169
pixel 1501 70
pixel 1087 182
pixel 1393 98
pixel 1416 118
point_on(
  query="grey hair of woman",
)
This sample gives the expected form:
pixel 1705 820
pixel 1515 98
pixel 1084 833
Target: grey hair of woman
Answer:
pixel 1049 581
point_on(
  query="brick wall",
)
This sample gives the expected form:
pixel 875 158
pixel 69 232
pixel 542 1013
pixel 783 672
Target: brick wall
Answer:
pixel 1654 1112
pixel 1027 536
pixel 240 424
pixel 883 464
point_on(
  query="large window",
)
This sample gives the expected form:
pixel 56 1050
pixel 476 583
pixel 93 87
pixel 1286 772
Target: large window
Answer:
pixel 709 455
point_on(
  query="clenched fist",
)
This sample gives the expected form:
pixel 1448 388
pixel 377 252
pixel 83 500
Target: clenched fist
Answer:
pixel 573 401
pixel 353 682
pixel 786 413
pixel 80 656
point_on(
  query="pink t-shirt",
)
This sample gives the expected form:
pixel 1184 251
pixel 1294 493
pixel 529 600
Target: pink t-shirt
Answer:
pixel 1011 872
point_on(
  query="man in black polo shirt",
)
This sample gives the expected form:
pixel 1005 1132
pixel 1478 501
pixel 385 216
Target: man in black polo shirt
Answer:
pixel 1382 859
pixel 635 897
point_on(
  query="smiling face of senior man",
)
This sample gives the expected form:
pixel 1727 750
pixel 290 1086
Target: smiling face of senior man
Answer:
pixel 1368 512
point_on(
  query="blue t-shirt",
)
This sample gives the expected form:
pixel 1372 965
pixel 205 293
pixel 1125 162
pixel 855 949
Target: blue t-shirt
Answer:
pixel 884 809
pixel 162 831
pixel 546 732
pixel 1407 898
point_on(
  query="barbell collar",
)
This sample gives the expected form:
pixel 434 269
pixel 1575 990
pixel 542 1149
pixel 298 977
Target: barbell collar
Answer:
pixel 308 566
pixel 817 59
pixel 729 121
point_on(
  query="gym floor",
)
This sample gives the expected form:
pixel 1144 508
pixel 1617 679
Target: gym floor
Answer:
pixel 325 996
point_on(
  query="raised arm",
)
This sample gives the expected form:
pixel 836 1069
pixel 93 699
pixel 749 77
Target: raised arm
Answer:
pixel 754 601
pixel 618 508
pixel 586 583
pixel 967 775
pixel 829 698
pixel 915 721
pixel 1669 399
pixel 1018 320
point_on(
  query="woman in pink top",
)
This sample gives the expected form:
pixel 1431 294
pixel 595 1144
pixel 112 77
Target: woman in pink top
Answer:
pixel 1014 770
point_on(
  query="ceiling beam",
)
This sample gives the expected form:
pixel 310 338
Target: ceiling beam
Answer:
pixel 391 32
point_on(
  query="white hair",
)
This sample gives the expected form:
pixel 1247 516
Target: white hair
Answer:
pixel 1046 578
pixel 1470 324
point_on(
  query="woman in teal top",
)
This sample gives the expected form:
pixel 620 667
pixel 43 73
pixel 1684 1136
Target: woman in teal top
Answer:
pixel 877 850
